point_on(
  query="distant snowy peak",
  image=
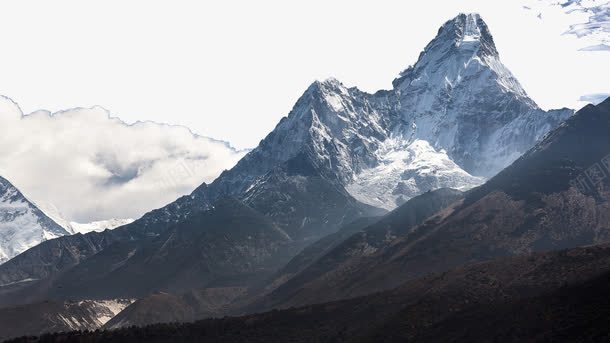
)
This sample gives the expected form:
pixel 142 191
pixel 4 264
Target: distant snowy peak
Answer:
pixel 22 224
pixel 74 227
pixel 99 226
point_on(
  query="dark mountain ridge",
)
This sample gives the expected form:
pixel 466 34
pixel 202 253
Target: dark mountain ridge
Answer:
pixel 554 296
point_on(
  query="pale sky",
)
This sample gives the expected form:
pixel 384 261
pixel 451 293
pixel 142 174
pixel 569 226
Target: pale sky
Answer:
pixel 231 69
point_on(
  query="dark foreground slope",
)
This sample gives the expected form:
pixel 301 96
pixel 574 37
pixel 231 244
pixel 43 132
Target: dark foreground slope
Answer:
pixel 555 296
pixel 229 244
pixel 163 308
pixel 347 248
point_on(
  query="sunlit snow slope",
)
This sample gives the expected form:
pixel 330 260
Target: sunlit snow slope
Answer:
pixel 22 224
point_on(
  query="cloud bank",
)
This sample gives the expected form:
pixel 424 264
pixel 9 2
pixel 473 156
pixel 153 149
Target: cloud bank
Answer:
pixel 590 19
pixel 90 166
pixel 596 25
pixel 595 98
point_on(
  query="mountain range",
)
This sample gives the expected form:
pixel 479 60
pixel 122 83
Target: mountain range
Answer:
pixel 353 194
pixel 535 205
pixel 466 273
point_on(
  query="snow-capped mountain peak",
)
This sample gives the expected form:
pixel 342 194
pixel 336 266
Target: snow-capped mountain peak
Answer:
pixel 459 92
pixel 463 49
pixel 22 224
pixel 458 103
pixel 468 32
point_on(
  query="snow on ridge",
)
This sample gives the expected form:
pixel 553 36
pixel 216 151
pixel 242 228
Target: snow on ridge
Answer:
pixel 99 226
pixel 406 170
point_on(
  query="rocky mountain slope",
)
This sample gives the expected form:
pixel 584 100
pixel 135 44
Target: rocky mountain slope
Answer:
pixel 22 224
pixel 350 243
pixel 34 268
pixel 555 196
pixel 166 307
pixel 229 245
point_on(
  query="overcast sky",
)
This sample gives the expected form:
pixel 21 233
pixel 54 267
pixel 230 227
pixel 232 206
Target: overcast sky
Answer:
pixel 231 69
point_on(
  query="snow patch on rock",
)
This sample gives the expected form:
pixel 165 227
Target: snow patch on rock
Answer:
pixel 99 226
pixel 406 170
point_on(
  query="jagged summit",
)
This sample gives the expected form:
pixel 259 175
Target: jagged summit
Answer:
pixel 463 48
pixel 469 28
pixel 455 117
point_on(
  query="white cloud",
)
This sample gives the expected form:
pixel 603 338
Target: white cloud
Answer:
pixel 91 166
pixel 585 19
pixel 595 98
pixel 598 47
pixel 597 22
